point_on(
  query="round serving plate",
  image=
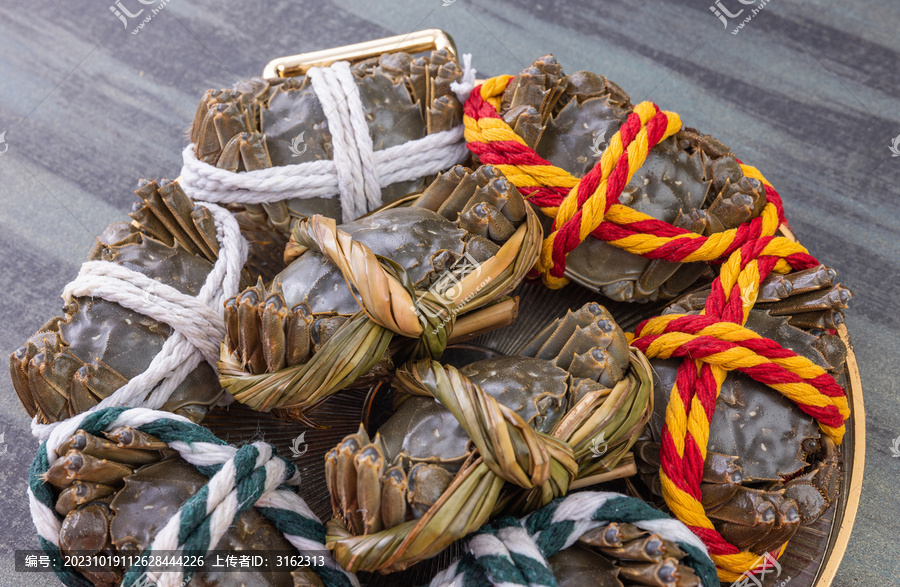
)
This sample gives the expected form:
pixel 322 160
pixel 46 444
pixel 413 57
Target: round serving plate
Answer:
pixel 812 556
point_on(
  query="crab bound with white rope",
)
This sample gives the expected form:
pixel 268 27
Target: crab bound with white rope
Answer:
pixel 219 497
pixel 337 139
pixel 143 320
pixel 378 265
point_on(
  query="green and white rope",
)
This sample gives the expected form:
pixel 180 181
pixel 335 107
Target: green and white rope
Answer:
pixel 512 552
pixel 240 478
pixel 509 552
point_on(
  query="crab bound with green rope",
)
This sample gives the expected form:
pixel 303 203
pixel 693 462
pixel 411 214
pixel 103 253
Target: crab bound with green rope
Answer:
pixel 138 481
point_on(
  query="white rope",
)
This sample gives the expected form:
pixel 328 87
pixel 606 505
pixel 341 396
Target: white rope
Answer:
pixel 464 87
pixel 356 173
pixel 198 322
pixel 45 520
pixel 318 179
pixel 354 163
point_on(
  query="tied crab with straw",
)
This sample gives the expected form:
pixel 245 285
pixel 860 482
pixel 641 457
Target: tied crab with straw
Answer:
pixel 390 286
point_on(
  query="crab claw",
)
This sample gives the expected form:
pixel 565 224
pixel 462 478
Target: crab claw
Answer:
pixel 816 490
pixel 756 519
pixel 77 466
pixel 663 574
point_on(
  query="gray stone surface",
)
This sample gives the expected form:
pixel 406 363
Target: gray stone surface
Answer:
pixel 807 92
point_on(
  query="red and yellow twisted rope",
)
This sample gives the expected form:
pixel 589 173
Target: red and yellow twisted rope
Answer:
pixel 712 343
pixel 590 205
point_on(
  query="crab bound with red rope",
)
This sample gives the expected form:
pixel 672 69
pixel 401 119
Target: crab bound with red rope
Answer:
pixel 661 209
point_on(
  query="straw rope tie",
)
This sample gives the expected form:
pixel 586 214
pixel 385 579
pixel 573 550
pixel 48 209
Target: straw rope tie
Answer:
pixel 712 343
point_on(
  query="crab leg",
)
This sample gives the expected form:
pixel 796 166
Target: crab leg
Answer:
pixel 393 497
pixel 369 463
pixel 346 489
pixel 91 445
pixel 76 466
pixel 272 326
pixel 80 493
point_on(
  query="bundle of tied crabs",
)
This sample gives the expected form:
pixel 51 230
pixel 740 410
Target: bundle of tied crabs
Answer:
pixel 730 403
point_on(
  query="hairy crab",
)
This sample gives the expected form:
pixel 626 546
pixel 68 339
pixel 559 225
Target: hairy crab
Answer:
pixel 769 469
pixel 427 471
pixel 690 180
pixel 263 123
pixel 622 554
pixel 327 320
pixel 76 360
pixel 117 492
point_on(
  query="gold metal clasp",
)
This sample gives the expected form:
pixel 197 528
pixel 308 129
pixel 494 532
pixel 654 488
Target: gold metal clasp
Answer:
pixel 419 41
